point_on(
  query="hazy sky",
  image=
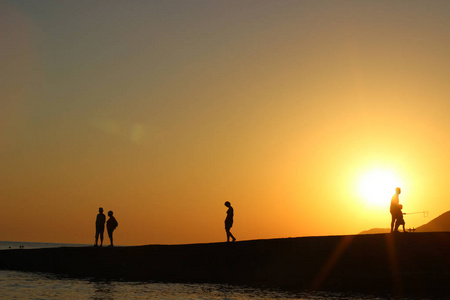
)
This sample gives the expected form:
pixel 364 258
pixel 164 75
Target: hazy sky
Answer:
pixel 305 115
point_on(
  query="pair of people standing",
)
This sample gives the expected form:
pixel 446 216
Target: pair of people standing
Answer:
pixel 396 212
pixel 111 225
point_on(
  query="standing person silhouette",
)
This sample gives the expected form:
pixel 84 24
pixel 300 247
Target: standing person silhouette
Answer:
pixel 400 220
pixel 395 209
pixel 229 221
pixel 99 227
pixel 111 225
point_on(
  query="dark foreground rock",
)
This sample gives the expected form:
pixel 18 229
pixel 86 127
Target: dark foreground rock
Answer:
pixel 412 264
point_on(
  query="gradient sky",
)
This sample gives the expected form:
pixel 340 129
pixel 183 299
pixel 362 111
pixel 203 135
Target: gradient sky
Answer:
pixel 163 110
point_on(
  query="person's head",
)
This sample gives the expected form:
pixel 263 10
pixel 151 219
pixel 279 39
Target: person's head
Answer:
pixel 110 213
pixel 398 190
pixel 227 204
pixel 100 210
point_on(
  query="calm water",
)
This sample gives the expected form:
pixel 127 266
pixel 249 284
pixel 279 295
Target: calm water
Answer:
pixel 28 285
pixel 28 245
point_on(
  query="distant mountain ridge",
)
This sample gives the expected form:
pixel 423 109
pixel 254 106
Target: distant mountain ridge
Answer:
pixel 441 223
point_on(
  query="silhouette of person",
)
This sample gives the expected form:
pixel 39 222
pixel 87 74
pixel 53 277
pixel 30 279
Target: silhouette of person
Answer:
pixel 229 221
pixel 111 225
pixel 400 219
pixel 99 227
pixel 395 210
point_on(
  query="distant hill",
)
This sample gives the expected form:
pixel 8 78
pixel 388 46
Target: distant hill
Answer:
pixel 441 223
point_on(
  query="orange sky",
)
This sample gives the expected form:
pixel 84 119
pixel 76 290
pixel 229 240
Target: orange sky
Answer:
pixel 163 110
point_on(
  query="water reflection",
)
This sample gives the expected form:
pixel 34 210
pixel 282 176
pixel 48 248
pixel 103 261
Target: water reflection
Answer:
pixel 25 285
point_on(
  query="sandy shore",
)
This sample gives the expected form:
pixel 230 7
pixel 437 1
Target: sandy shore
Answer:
pixel 401 264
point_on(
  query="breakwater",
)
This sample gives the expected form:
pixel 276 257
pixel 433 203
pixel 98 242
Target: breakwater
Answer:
pixel 395 264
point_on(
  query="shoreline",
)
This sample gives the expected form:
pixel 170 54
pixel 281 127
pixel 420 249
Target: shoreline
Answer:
pixel 411 264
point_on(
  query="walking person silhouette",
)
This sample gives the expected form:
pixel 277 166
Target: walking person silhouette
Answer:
pixel 99 227
pixel 229 222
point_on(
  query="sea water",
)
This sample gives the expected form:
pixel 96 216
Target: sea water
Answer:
pixel 29 285
pixel 31 245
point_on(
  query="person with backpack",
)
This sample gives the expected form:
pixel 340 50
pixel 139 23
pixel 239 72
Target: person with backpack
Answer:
pixel 111 225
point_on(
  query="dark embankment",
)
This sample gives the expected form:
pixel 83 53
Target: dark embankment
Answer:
pixel 398 264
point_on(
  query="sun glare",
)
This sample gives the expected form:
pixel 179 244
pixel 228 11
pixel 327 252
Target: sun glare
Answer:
pixel 377 187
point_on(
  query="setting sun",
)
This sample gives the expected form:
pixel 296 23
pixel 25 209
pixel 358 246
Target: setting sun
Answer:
pixel 377 186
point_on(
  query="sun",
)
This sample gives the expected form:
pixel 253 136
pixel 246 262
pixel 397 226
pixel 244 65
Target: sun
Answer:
pixel 377 187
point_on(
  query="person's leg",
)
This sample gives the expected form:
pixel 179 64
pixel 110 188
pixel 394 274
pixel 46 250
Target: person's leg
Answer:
pixel 110 234
pixel 392 222
pixel 397 225
pixel 101 237
pixel 96 237
pixel 229 234
pixel 232 237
